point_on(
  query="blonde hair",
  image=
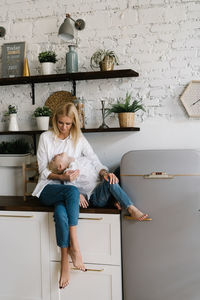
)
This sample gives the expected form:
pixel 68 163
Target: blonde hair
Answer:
pixel 52 167
pixel 67 110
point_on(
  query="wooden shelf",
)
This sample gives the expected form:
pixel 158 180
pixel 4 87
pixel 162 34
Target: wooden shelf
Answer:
pixel 68 77
pixel 115 129
pixel 73 77
pixel 25 132
pixel 84 130
pixel 34 133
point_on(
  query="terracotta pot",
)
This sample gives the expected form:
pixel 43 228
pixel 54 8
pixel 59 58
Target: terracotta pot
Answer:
pixel 126 119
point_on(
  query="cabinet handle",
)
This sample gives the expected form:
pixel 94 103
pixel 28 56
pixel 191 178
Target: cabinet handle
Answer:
pixel 131 218
pixel 13 216
pixel 89 270
pixel 92 219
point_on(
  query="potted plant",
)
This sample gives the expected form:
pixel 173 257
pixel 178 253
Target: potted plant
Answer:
pixel 12 113
pixel 105 59
pixel 47 59
pixel 42 115
pixel 14 153
pixel 125 110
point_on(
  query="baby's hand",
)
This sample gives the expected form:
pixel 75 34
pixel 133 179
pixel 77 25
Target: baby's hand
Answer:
pixel 70 175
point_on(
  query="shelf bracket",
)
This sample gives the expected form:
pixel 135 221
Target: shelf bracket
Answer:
pixel 74 87
pixel 32 94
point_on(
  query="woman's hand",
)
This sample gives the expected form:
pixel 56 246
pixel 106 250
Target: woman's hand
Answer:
pixel 110 177
pixel 70 175
pixel 83 202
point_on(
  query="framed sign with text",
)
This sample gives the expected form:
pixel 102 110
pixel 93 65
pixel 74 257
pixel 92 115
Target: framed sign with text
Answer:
pixel 13 59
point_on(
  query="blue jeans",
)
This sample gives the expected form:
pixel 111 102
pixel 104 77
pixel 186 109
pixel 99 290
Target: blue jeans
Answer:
pixel 101 194
pixel 65 199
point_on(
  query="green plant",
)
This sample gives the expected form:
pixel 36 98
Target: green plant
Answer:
pixel 125 106
pixel 47 56
pixel 11 110
pixel 100 55
pixel 14 147
pixel 43 111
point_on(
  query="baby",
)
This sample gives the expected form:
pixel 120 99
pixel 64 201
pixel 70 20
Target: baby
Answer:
pixel 88 177
pixel 90 184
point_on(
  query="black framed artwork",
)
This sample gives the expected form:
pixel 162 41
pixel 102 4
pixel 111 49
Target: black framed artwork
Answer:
pixel 13 59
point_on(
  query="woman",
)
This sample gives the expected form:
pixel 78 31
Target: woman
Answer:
pixel 65 136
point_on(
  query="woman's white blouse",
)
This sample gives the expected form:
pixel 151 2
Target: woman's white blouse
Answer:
pixel 50 145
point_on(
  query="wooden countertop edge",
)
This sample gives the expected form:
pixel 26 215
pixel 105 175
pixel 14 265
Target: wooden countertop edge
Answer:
pixel 16 203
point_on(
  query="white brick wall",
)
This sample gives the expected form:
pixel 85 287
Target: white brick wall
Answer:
pixel 157 38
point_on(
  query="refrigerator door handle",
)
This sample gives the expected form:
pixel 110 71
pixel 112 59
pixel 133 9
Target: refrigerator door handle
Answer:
pixel 160 175
pixel 134 219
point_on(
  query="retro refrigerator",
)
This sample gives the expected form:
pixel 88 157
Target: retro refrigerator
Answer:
pixel 161 257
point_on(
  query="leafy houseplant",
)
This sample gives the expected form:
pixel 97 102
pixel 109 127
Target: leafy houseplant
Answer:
pixel 11 110
pixel 14 147
pixel 105 59
pixel 47 56
pixel 12 113
pixel 125 110
pixel 47 60
pixel 43 111
pixel 42 115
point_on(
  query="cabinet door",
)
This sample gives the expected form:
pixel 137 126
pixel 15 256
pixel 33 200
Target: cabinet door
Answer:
pixel 99 238
pixel 24 259
pixel 100 282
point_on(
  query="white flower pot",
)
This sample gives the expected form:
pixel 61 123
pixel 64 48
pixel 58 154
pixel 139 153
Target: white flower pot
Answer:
pixel 14 160
pixel 42 123
pixel 13 125
pixel 47 68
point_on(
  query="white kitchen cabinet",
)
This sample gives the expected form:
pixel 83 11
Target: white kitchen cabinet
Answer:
pixel 100 244
pixel 24 256
pixel 98 236
pixel 100 282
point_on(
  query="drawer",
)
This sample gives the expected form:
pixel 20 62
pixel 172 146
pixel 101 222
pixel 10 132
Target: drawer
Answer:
pixel 99 238
pixel 100 282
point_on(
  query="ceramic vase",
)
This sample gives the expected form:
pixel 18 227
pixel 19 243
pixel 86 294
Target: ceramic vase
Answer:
pixel 47 68
pixel 42 123
pixel 71 60
pixel 13 125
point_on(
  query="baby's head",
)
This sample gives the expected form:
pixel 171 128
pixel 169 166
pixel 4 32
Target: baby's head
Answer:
pixel 59 163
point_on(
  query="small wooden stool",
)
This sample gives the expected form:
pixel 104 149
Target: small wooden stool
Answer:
pixel 31 179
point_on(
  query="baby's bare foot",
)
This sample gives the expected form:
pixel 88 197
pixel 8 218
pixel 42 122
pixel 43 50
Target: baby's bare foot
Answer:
pixel 136 213
pixel 64 274
pixel 117 205
pixel 76 258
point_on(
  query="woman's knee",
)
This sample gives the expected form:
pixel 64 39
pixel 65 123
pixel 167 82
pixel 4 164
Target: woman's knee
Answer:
pixel 71 192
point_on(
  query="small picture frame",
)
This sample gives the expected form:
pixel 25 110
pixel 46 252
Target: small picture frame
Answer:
pixel 13 59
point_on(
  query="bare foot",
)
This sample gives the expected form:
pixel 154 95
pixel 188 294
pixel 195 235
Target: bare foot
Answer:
pixel 64 274
pixel 117 205
pixel 76 258
pixel 136 213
